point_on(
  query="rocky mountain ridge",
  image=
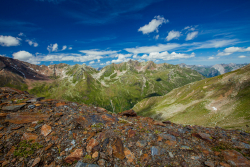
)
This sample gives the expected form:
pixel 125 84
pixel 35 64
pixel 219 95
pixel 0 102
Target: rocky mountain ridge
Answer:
pixel 45 132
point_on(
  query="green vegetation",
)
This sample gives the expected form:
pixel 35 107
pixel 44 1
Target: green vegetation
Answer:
pixel 26 148
pixel 219 101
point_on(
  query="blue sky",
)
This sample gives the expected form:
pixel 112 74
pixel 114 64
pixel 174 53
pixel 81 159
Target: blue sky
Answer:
pixel 100 32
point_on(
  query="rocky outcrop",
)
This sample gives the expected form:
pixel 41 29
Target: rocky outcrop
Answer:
pixel 59 133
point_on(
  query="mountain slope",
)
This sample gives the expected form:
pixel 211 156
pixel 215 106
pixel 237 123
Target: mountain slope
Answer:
pixel 219 101
pixel 21 75
pixel 116 87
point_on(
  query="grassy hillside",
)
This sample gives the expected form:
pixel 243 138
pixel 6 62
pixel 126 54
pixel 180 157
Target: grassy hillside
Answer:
pixel 219 101
pixel 116 87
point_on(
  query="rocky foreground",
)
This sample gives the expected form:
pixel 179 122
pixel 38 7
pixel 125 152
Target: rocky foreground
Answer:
pixel 46 132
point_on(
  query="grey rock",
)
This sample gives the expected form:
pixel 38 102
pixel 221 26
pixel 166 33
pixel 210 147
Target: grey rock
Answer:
pixel 154 151
pixel 13 107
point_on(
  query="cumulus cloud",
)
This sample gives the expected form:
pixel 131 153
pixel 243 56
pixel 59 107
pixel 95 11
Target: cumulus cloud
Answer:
pixel 30 42
pixel 191 35
pixel 155 48
pixel 25 56
pixel 92 62
pixel 121 58
pixel 231 50
pixel 153 25
pixel 64 47
pixel 52 47
pixel 70 48
pixel 211 58
pixel 9 41
pixel 173 35
pixel 166 56
pixel 242 56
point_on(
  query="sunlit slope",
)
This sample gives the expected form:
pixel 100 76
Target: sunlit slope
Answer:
pixel 219 101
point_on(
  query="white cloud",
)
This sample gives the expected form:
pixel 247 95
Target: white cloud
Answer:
pixel 52 47
pixel 191 35
pixel 2 55
pixel 98 61
pixel 153 25
pixel 211 58
pixel 35 44
pixel 166 56
pixel 21 34
pixel 242 56
pixel 173 35
pixel 70 48
pixel 92 62
pixel 121 58
pixel 215 43
pixel 9 41
pixel 236 49
pixel 25 56
pixel 107 63
pixel 64 47
pixel 157 36
pixel 231 50
pixel 149 49
pixel 95 52
pixel 223 54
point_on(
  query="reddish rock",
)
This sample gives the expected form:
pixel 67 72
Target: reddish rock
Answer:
pixel 235 158
pixel 45 130
pixel 48 147
pixel 74 156
pixel 3 115
pixel 109 118
pixel 95 154
pixel 159 123
pixel 145 157
pixel 203 136
pixel 131 133
pixel 17 127
pixel 29 136
pixel 224 164
pixel 118 149
pixel 92 143
pixel 128 113
pixel 36 161
pixel 60 104
pixel 171 142
pixel 129 155
pixel 10 152
pixel 22 118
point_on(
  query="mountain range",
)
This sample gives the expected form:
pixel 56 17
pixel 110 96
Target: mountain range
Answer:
pixel 215 70
pixel 180 93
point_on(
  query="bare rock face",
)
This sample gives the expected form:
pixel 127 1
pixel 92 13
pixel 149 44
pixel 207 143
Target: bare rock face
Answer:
pixel 73 134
